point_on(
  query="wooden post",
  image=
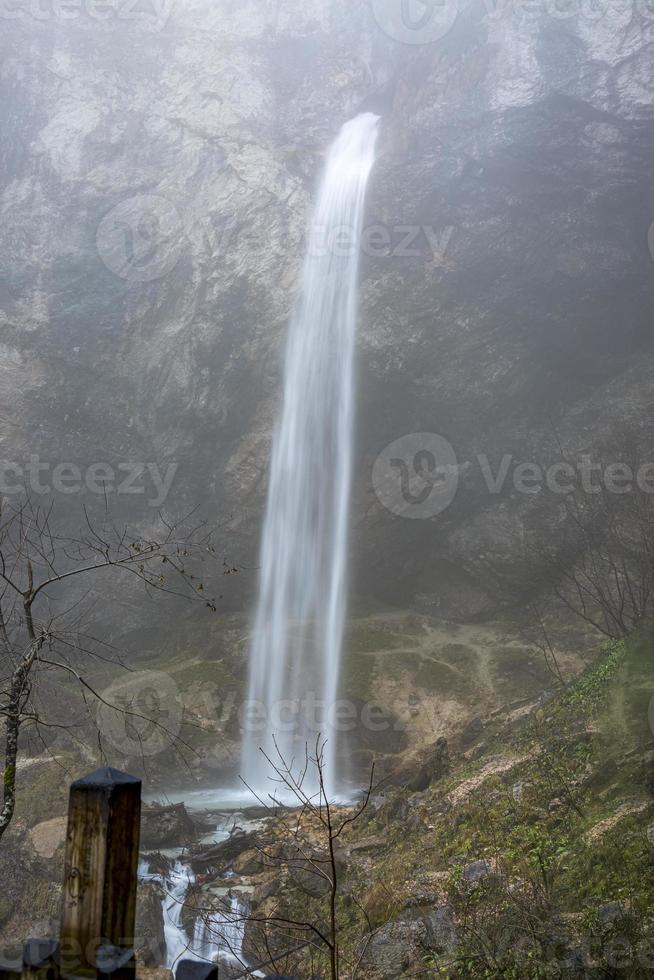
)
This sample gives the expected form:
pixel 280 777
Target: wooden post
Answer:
pixel 102 843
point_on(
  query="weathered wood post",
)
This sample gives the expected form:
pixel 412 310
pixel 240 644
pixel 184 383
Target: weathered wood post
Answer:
pixel 100 877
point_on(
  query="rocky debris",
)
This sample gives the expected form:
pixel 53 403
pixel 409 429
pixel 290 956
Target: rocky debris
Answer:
pixel 163 826
pixel 494 767
pixel 389 809
pixel 402 943
pixel 30 893
pixel 394 948
pixel 434 768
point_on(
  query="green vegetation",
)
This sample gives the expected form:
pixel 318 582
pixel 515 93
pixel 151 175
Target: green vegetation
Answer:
pixel 558 812
pixel 592 689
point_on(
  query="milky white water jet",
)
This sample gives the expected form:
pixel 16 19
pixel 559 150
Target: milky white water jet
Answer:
pixel 298 628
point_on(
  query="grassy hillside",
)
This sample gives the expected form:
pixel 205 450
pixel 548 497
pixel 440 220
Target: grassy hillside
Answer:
pixel 532 858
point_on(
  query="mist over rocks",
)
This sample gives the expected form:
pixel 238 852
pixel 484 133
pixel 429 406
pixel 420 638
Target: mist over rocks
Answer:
pixel 160 169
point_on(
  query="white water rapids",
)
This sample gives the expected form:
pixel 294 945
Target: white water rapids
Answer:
pixel 298 628
pixel 218 935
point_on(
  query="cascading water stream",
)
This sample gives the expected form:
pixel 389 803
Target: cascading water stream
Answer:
pixel 298 628
pixel 179 880
pixel 218 935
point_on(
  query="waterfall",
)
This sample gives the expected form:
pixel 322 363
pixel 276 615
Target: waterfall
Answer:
pixel 220 936
pixel 180 878
pixel 298 627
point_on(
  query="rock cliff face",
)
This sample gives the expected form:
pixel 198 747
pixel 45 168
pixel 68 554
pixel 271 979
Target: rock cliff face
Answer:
pixel 159 163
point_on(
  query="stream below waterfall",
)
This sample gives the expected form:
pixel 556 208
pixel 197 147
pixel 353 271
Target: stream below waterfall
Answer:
pixel 218 932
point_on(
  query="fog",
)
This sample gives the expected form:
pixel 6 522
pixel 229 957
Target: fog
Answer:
pixel 350 463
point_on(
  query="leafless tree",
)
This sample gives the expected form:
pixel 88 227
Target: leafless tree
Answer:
pixel 302 845
pixel 605 566
pixel 42 616
pixel 311 834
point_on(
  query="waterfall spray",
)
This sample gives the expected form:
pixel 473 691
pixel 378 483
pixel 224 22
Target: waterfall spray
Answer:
pixel 298 628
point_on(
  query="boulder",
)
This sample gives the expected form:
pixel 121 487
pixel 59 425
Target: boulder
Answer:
pixel 477 871
pixel 394 948
pixel 400 946
pixel 441 929
pixel 48 836
pixel 155 973
pixel 164 826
